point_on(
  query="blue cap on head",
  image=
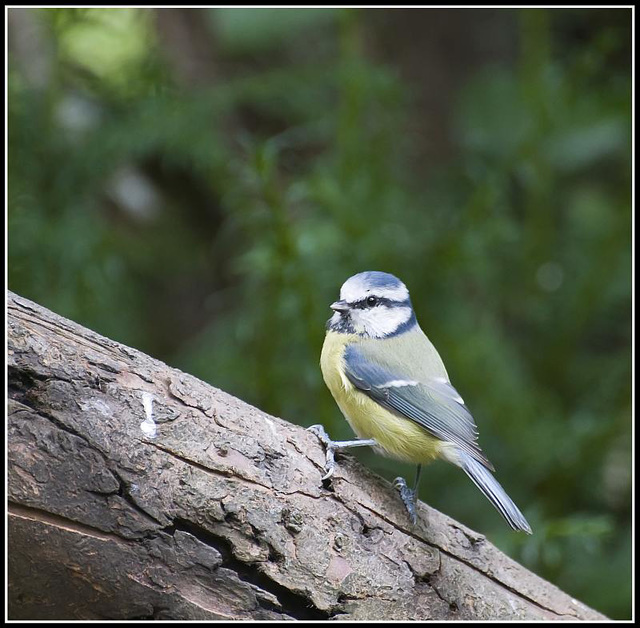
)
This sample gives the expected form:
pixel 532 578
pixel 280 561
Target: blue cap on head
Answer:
pixel 379 279
pixel 373 282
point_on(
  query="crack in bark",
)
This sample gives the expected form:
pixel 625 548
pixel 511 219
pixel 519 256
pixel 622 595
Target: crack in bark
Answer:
pixel 175 394
pixel 268 592
pixel 69 333
pixel 26 398
pixel 123 490
pixel 428 579
pixel 290 602
pixel 48 518
pixel 235 474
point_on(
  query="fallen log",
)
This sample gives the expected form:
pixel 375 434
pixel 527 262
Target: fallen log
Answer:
pixel 137 491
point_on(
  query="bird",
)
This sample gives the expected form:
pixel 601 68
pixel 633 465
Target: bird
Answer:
pixel 392 387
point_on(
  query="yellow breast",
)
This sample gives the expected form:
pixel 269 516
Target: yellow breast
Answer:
pixel 398 436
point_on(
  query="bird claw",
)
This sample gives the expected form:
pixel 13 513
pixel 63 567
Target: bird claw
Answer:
pixel 320 432
pixel 329 466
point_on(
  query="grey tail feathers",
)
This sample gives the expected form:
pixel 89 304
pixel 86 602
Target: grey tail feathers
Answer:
pixel 492 490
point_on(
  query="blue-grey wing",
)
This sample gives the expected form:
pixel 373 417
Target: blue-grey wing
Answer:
pixel 433 404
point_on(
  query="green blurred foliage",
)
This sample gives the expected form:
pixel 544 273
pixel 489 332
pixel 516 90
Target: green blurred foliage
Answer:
pixel 211 224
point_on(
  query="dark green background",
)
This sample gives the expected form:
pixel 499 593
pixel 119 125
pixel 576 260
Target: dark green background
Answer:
pixel 199 183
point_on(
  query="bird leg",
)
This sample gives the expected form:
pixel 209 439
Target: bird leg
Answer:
pixel 409 495
pixel 332 445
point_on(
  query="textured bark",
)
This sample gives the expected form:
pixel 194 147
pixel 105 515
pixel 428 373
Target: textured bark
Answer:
pixel 221 514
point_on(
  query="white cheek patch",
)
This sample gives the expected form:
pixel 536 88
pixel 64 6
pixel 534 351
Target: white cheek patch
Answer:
pixel 380 321
pixel 356 288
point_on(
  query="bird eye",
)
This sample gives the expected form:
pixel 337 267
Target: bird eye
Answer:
pixel 371 301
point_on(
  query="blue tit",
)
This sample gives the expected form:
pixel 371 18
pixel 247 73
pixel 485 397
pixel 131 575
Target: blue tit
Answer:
pixel 392 387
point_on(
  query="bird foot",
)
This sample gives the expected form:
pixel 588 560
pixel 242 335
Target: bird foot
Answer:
pixel 408 497
pixel 330 462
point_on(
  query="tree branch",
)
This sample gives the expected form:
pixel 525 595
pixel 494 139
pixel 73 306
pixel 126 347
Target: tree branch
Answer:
pixel 221 514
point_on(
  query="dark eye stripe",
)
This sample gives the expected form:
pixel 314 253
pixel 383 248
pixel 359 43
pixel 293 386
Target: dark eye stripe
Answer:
pixel 363 304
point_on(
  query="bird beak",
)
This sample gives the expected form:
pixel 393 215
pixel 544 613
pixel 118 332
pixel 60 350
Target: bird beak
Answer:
pixel 340 306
